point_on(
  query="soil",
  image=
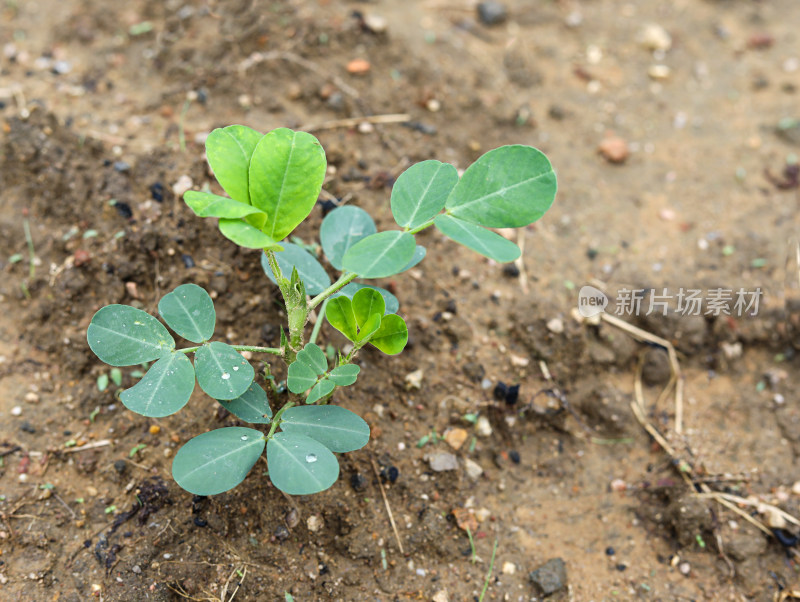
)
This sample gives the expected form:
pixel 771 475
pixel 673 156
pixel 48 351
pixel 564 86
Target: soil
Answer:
pixel 104 108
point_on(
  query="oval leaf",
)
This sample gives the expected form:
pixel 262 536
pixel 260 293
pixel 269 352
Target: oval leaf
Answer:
pixel 320 390
pixel 121 335
pixel 218 460
pixel 251 406
pixel 299 465
pixel 205 204
pixel 229 151
pixel 311 272
pixel 392 336
pixel 221 371
pixel 380 255
pixel 339 312
pixel 487 243
pixel 508 187
pixel 300 378
pixel 344 375
pixel 165 388
pixel 313 357
pixel 189 311
pixel 392 304
pixel 338 429
pixel 369 327
pixel 341 229
pixel 245 235
pixel 367 302
pixel 421 191
pixel 286 174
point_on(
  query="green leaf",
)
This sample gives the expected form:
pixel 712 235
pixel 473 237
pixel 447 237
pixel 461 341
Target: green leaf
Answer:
pixel 380 255
pixel 311 272
pixel 477 238
pixel 229 151
pixel 245 235
pixel 392 336
pixel 419 255
pixel 367 302
pixel 189 311
pixel 299 465
pixel 300 377
pixel 369 327
pixel 221 371
pixel 320 390
pixel 338 429
pixel 251 406
pixel 392 304
pixel 344 375
pixel 116 376
pixel 341 229
pixel 102 382
pixel 421 191
pixel 313 357
pixel 164 390
pixel 286 174
pixel 339 312
pixel 206 204
pixel 508 187
pixel 121 335
pixel 218 460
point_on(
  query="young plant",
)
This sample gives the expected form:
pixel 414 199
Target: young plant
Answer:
pixel 273 182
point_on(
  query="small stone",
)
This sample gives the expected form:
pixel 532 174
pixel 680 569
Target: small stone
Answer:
pixel 358 67
pixel 667 215
pixel 440 596
pixel 465 519
pixel 122 166
pixel 183 184
pixel 474 470
pixel 474 371
pixel 136 569
pixel 281 533
pixel 91 491
pixel 659 72
pixel 442 461
pixel 483 428
pixel 482 514
pixel 456 437
pixel 511 270
pixel 433 105
pixel 375 23
pixel 31 397
pixel 614 149
pixel 550 577
pixel 514 456
pixel 519 361
pixel 655 37
pixel 556 326
pixel 27 427
pixel 16 411
pixel 314 523
pixel 81 257
pixel 154 429
pixel 509 568
pixel 414 379
pixel 731 351
pixel 796 488
pixel 358 482
pixel 685 568
pixel 121 466
pixel 618 485
pixel 492 13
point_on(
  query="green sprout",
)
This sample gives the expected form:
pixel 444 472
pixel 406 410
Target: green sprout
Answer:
pixel 273 181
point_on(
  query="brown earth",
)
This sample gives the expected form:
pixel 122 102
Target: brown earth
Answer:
pixel 105 101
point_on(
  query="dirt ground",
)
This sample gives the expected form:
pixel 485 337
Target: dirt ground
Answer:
pixel 103 112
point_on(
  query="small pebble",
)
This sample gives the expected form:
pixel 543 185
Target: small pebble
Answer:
pixel 456 437
pixel 358 482
pixel 154 429
pixel 685 568
pixel 136 569
pixel 27 427
pixel 123 209
pixel 442 461
pixel 120 466
pixel 473 469
pixel 655 37
pixel 281 533
pixel 509 568
pixel 610 551
pixel 183 184
pixel 122 166
pixel 31 397
pixel 614 149
pixel 375 23
pixel 414 379
pixel 618 485
pixel 314 523
pixel 659 72
pixel 556 326
pixel 200 522
pixel 358 67
pixel 157 192
pixel 514 456
pixel 188 262
pixel 492 13
pixel 486 383
pixel 483 428
pixel 511 270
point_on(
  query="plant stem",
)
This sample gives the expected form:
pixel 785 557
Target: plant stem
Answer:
pixel 294 299
pixel 276 420
pixel 26 226
pixel 320 320
pixel 342 281
pixel 273 350
pixel 489 574
pixel 427 224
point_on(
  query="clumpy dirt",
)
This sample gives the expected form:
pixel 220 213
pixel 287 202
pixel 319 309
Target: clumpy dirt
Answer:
pixel 103 110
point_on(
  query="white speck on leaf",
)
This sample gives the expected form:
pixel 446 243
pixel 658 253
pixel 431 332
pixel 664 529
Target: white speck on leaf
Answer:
pixel 310 458
pixel 244 437
pixel 225 376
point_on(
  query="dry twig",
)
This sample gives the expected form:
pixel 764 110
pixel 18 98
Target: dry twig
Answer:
pixel 386 502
